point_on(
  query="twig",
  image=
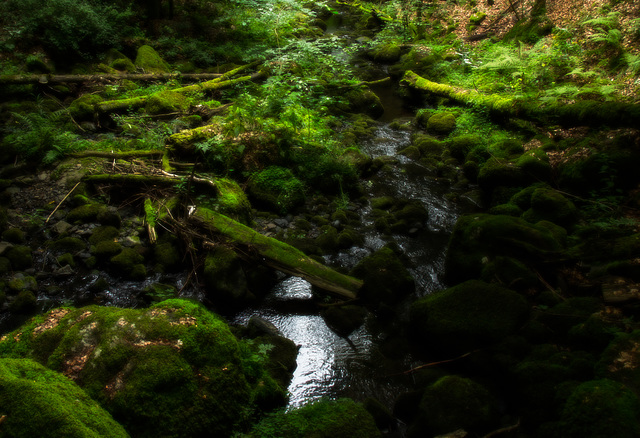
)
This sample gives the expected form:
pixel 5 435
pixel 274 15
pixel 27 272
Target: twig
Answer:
pixel 430 364
pixel 63 199
pixel 503 430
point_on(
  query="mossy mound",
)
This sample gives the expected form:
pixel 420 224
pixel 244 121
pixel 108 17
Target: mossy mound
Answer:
pixel 386 279
pixel 441 123
pixel 20 257
pixel 453 403
pixel 39 402
pixel 83 108
pixel 277 188
pixel 173 369
pixel 150 61
pixel 324 419
pixel 224 277
pixel 232 201
pixel 601 409
pixel 621 360
pixel 467 316
pixel 166 102
pixel 478 239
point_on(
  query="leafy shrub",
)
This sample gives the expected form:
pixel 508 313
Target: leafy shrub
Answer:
pixel 67 28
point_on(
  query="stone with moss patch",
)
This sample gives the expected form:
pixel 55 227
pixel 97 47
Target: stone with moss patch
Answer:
pixel 63 408
pixel 150 61
pixel 338 418
pixel 442 123
pixel 173 369
pixel 467 316
pixel 453 403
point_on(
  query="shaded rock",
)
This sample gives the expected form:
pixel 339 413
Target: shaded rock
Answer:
pixel 224 278
pixel 467 316
pixel 344 319
pixel 39 402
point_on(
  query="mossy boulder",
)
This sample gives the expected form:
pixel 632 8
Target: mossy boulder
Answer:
pixel 94 212
pixel 467 316
pixel 232 201
pixel 442 123
pixel 24 302
pixel 123 64
pixel 453 403
pixel 150 61
pixel 68 244
pixel 83 108
pixel 601 409
pixel 386 279
pixel 104 233
pixel 126 262
pixel 478 239
pixel 224 278
pixel 106 249
pixel 173 369
pixel 165 102
pixel 39 402
pixel 461 145
pixel 166 254
pixel 20 257
pixel 621 361
pixel 277 188
pixel 13 235
pixel 20 282
pixel 324 419
pixel 387 53
pixel 497 172
pixel 548 204
pixel 535 163
pixel 428 146
pixel 363 101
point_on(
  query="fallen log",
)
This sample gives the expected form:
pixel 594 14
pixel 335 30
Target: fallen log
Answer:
pixel 165 179
pixel 186 137
pixel 580 113
pixel 120 155
pixel 276 254
pixel 101 77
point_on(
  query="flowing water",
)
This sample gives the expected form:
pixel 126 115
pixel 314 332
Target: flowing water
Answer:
pixel 331 366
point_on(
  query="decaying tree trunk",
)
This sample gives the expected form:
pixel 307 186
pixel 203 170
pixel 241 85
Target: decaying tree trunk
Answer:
pixel 580 113
pixel 276 254
pixel 101 77
pixel 185 138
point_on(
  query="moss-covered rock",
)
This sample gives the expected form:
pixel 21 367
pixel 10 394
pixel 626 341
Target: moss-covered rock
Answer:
pixel 277 188
pixel 621 361
pixel 165 102
pixel 68 244
pixel 324 419
pixel 535 163
pixel 13 235
pixel 123 64
pixel 387 53
pixel 127 261
pixel 173 369
pixel 104 233
pixel 20 257
pixel 24 302
pixel 442 123
pixel 477 239
pixel 453 403
pixel 548 204
pixel 224 278
pixel 167 254
pixel 83 108
pixel 39 402
pixel 344 319
pixel 85 213
pixel 467 316
pixel 601 409
pixel 150 61
pixel 363 101
pixel 20 282
pixel 496 172
pixel 106 249
pixel 232 201
pixel 386 279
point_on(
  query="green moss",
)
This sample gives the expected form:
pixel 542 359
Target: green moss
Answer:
pixel 167 255
pixel 127 260
pixel 467 316
pixel 535 163
pixel 442 123
pixel 224 277
pixel 277 188
pixel 84 107
pixel 106 249
pixel 232 201
pixel 13 235
pixel 550 205
pixel 386 279
pixel 461 145
pixel 149 60
pixel 123 64
pixel 63 409
pixel 20 282
pixel 173 369
pixel 477 239
pixel 362 101
pixel 498 172
pixel 453 403
pixel 323 419
pixel 600 409
pixel 85 213
pixel 66 259
pixel 165 102
pixel 387 53
pixel 104 233
pixel 20 257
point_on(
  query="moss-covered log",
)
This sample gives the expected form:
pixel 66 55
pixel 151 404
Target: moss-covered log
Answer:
pixel 276 254
pixel 69 79
pixel 587 112
pixel 184 139
pixel 166 179
pixel 121 155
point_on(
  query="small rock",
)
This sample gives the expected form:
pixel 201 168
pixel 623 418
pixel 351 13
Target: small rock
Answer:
pixel 283 223
pixel 5 246
pixel 61 227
